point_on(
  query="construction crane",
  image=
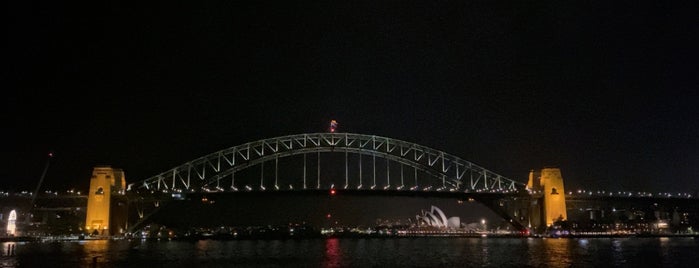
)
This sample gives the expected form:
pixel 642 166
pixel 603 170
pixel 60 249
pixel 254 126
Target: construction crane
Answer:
pixel 41 180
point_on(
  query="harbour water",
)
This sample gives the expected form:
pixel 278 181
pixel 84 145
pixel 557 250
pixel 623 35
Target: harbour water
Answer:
pixel 359 252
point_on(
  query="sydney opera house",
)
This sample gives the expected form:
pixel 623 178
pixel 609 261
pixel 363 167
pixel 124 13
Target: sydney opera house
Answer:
pixel 436 218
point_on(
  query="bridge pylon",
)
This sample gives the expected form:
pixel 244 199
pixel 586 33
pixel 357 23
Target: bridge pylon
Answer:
pixel 547 184
pixel 106 204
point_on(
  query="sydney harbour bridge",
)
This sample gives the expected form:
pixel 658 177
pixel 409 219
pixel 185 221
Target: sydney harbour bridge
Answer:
pixel 361 165
pixel 347 163
pixel 421 168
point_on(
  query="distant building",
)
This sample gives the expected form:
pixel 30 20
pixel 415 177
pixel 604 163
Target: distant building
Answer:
pixel 12 223
pixel 436 218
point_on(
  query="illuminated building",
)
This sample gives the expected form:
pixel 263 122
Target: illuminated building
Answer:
pixel 436 218
pixel 12 223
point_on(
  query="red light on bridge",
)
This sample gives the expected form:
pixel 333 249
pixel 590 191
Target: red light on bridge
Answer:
pixel 333 126
pixel 328 216
pixel 332 192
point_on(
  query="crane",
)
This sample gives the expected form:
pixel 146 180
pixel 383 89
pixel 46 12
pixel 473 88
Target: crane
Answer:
pixel 41 180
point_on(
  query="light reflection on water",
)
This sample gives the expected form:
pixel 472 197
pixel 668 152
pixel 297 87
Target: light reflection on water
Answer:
pixel 558 252
pixel 9 250
pixel 333 253
pixel 664 247
pixel 94 250
pixel 377 252
pixel 618 252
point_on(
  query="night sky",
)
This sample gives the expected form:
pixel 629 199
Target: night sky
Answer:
pixel 605 91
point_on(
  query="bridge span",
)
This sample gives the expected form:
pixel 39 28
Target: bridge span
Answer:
pixel 217 171
pixel 315 163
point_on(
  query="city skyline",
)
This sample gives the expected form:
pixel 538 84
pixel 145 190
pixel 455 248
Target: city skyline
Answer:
pixel 607 96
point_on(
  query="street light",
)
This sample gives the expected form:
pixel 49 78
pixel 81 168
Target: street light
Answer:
pixel 483 223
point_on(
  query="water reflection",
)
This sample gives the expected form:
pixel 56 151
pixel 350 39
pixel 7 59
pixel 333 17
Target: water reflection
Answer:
pixel 203 247
pixel 10 248
pixel 583 242
pixel 558 252
pixel 484 251
pixel 337 252
pixel 618 252
pixel 8 258
pixel 94 252
pixel 665 248
pixel 333 253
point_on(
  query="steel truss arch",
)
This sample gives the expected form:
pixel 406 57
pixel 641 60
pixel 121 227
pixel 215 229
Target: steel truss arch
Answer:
pixel 207 170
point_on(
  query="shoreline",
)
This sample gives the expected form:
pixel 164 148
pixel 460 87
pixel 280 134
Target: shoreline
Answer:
pixel 344 236
pixel 448 236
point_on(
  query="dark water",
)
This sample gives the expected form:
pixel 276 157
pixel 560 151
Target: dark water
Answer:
pixel 390 252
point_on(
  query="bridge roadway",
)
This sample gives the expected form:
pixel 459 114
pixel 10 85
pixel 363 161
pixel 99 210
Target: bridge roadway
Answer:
pixel 498 201
pixel 608 208
pixel 68 211
pixel 501 203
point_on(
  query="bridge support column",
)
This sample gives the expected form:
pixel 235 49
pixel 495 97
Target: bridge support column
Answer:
pixel 106 204
pixel 548 183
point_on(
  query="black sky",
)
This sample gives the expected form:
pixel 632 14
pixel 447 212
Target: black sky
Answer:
pixel 604 90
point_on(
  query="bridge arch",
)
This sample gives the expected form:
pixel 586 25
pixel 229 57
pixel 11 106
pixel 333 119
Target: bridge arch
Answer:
pixel 210 172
